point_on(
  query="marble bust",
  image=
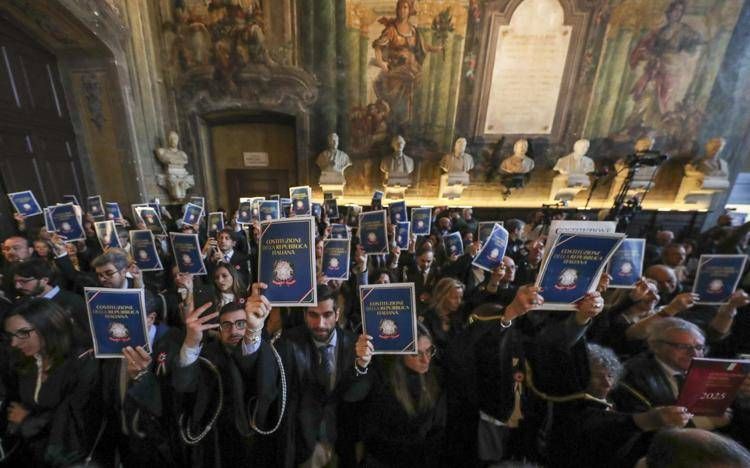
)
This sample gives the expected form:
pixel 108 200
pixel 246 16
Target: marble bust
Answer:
pixel 457 162
pixel 710 165
pixel 177 180
pixel 332 160
pixel 576 163
pixel 397 165
pixel 518 162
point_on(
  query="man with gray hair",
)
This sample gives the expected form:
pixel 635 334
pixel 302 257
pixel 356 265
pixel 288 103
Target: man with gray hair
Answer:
pixel 114 270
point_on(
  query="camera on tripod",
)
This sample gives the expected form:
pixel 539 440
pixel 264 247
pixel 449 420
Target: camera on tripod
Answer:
pixel 646 158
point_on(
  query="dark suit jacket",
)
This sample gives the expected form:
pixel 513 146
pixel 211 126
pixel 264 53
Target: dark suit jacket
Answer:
pixel 308 403
pixel 643 386
pixel 76 308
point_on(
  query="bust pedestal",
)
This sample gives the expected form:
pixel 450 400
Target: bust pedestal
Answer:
pixel 395 186
pixel 698 188
pixel 566 186
pixel 453 184
pixel 638 185
pixel 332 182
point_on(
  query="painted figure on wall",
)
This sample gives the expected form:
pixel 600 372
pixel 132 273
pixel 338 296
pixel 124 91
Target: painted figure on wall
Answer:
pixel 400 53
pixel 658 66
pixel 661 86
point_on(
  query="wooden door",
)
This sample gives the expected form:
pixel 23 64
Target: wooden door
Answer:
pixel 255 182
pixel 37 145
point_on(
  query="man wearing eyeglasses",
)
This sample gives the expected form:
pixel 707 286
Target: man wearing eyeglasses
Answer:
pixel 655 379
pixel 233 379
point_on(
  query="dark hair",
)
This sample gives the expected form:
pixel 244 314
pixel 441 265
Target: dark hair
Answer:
pixel 378 273
pixel 325 293
pixel 37 268
pixel 117 257
pixel 396 374
pixel 231 307
pixel 238 286
pixel 153 304
pixel 29 244
pixel 52 325
pixel 228 232
pixel 694 448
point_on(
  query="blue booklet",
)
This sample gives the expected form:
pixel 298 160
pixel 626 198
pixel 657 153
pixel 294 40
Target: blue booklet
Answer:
pixel 373 234
pixel 317 210
pixel 352 215
pixel 339 231
pixel 403 231
pixel 389 316
pixel 398 212
pixel 199 201
pixel 143 246
pixel 245 212
pixel 67 222
pixel 275 197
pixel 71 199
pixel 377 200
pixel 187 253
pixel 215 223
pixel 573 266
pixel 286 207
pixel 150 217
pixel 112 211
pixel 717 277
pixel 49 226
pixel 268 210
pixel 106 232
pixel 193 214
pixel 491 254
pixel 484 229
pixel 300 197
pixel 286 262
pixel 332 208
pixel 421 221
pixel 118 319
pixel 336 259
pixel 25 203
pixel 454 245
pixel 626 265
pixel 95 207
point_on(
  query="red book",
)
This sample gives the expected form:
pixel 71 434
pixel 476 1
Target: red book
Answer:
pixel 712 384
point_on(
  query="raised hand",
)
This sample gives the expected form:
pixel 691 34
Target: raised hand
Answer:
pixel 589 307
pixel 527 298
pixel 195 325
pixel 257 309
pixel 364 350
pixel 138 360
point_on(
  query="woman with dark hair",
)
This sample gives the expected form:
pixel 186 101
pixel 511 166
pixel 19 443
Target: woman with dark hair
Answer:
pixel 405 411
pixel 50 387
pixel 228 286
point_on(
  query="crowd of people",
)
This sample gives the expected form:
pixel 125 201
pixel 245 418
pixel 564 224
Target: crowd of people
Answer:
pixel 227 380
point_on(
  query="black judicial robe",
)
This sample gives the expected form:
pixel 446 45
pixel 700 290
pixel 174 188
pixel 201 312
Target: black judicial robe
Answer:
pixel 250 388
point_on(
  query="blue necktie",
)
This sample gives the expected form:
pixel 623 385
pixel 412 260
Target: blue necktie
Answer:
pixel 326 366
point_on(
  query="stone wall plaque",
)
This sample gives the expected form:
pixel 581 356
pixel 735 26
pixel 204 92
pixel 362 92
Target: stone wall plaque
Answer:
pixel 255 159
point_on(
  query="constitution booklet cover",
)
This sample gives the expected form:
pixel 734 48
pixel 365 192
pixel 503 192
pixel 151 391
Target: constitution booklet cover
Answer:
pixel 336 259
pixel 332 208
pixel 112 211
pixel 200 201
pixel 454 245
pixel 117 318
pixel 151 219
pixel 711 385
pixel 71 199
pixel 245 212
pixel 106 232
pixel 25 203
pixel 491 254
pixel 95 207
pixel 377 200
pixel 286 262
pixel 389 316
pixel 717 278
pixel 187 253
pixel 339 231
pixel 421 221
pixel 484 229
pixel 66 220
pixel 268 210
pixel 317 210
pixel 398 212
pixel 573 266
pixel 373 235
pixel 403 230
pixel 301 200
pixel 626 265
pixel 583 227
pixel 352 214
pixel 143 246
pixel 193 214
pixel 214 223
pixel 286 207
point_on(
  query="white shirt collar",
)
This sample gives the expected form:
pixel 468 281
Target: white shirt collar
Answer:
pixel 51 293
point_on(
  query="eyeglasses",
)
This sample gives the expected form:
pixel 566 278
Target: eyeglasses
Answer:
pixel 107 274
pixel 699 348
pixel 427 353
pixel 21 334
pixel 238 324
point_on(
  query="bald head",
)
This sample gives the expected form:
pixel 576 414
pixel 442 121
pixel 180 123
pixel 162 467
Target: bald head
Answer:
pixel 665 278
pixel 688 448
